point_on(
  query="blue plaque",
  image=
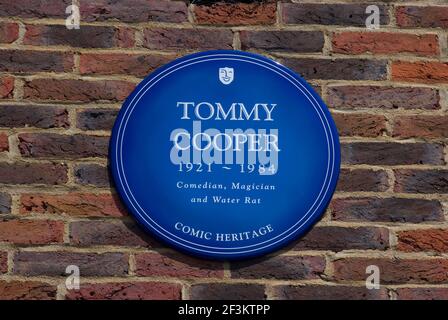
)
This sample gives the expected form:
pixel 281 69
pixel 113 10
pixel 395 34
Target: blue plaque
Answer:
pixel 225 154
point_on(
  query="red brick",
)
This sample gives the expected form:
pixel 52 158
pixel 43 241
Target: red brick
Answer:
pixel 54 263
pixel 77 90
pixel 33 173
pixel 176 265
pixel 421 126
pixel 433 240
pixel 387 210
pixel 392 153
pixel 34 9
pixel 342 238
pixel 35 61
pixel 280 267
pixel 6 87
pixel 139 65
pixel 422 16
pixel 27 290
pixel 53 145
pixel 227 291
pixel 334 14
pixel 9 32
pixel 3 262
pixel 330 292
pixel 360 97
pixel 4 144
pixel 360 124
pixel 385 43
pixel 393 271
pixel 125 37
pixel 14 116
pixel 420 71
pixel 353 180
pixel 187 39
pixel 430 293
pixel 222 13
pixel 421 181
pixel 94 233
pixel 126 291
pixel 295 41
pixel 31 231
pixel 73 204
pixel 85 37
pixel 134 11
pixel 338 69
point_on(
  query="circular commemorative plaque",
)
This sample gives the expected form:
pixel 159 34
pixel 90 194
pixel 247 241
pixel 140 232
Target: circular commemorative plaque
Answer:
pixel 225 155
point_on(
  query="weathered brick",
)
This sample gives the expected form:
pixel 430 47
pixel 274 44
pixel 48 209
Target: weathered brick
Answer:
pixel 3 262
pixel 334 14
pixel 421 126
pixel 139 65
pixel 422 16
pixel 296 41
pixel 77 90
pixel 222 13
pixel 31 231
pixel 190 39
pixel 358 97
pixel 54 263
pixel 27 290
pixel 391 153
pixel 227 291
pixel 279 267
pixel 387 210
pixel 53 145
pixel 393 270
pixel 353 180
pixel 126 291
pixel 134 11
pixel 94 233
pixel 360 124
pixel 6 87
pixel 35 61
pixel 341 238
pixel 125 37
pixel 73 204
pixel 385 43
pixel 176 265
pixel 430 293
pixel 420 71
pixel 338 69
pixel 85 37
pixel 433 240
pixel 421 181
pixel 9 32
pixel 33 173
pixel 4 144
pixel 96 119
pixel 323 292
pixel 34 9
pixel 12 116
pixel 92 174
pixel 5 203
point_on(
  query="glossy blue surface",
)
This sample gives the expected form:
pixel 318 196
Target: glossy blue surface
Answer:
pixel 304 170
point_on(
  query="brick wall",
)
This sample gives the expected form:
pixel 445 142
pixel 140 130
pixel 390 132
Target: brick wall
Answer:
pixel 60 91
